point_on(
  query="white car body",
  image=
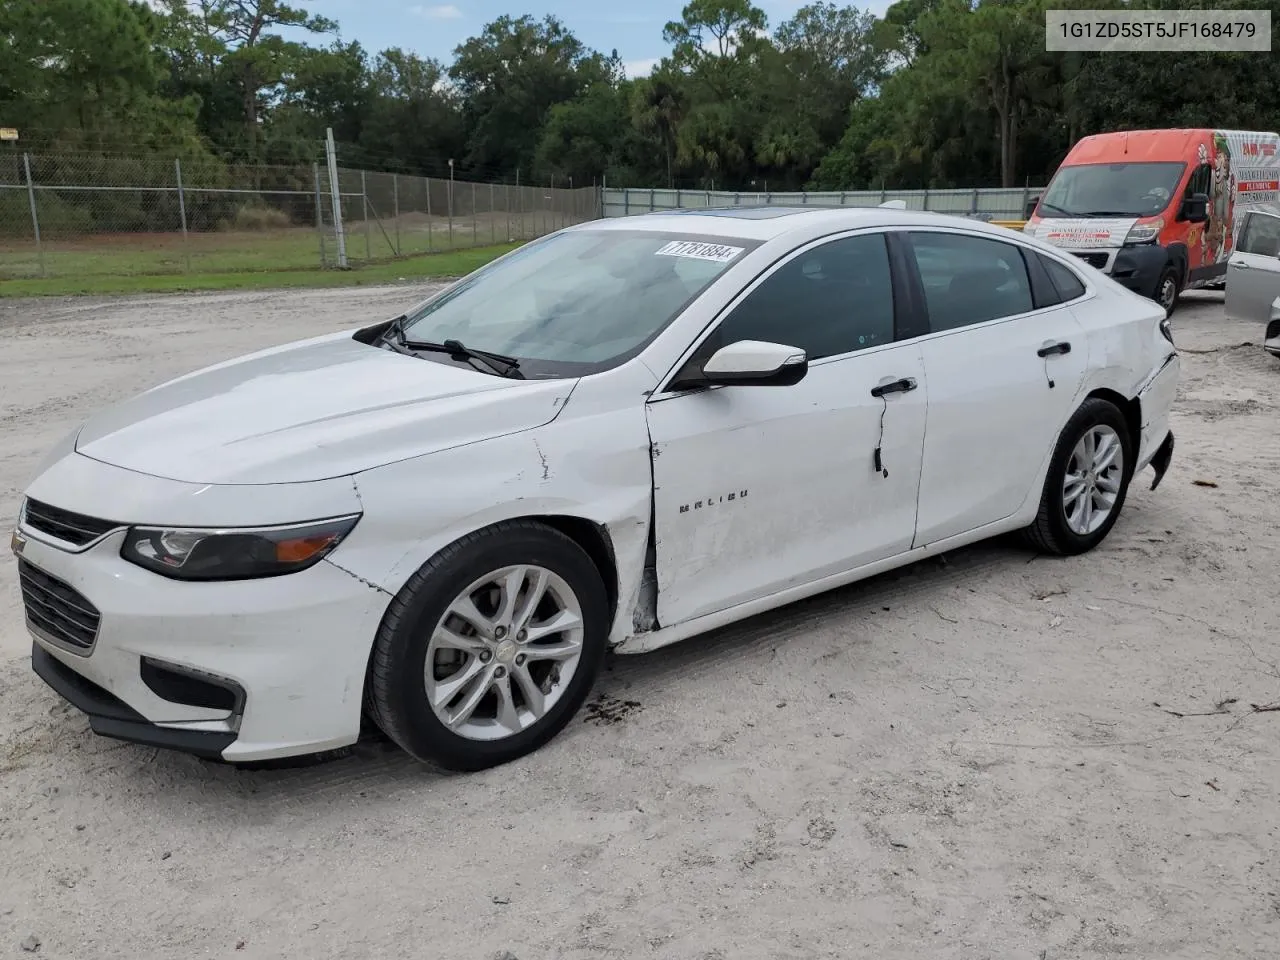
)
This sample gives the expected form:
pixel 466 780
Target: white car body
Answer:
pixel 1253 276
pixel 713 506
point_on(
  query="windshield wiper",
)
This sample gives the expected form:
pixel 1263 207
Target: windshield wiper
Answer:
pixel 496 362
pixel 1107 213
pixel 1054 206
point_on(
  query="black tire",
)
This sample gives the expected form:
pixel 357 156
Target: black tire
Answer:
pixel 1170 280
pixel 1050 532
pixel 395 691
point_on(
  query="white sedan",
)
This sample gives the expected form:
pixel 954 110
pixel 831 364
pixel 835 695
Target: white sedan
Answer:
pixel 618 436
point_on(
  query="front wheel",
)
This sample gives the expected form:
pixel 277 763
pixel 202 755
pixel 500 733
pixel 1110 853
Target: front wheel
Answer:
pixel 1167 290
pixel 1087 481
pixel 491 648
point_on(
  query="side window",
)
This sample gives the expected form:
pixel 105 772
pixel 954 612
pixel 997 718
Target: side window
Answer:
pixel 1200 181
pixel 1260 235
pixel 969 279
pixel 1064 279
pixel 832 299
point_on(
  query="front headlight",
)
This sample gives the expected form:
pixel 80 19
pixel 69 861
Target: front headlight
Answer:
pixel 1144 232
pixel 234 553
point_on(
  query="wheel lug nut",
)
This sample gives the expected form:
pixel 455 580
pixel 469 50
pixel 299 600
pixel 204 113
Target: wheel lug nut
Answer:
pixel 500 672
pixel 500 632
pixel 522 636
pixel 520 660
pixel 485 656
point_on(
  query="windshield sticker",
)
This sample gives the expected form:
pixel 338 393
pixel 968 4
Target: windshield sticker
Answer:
pixel 715 252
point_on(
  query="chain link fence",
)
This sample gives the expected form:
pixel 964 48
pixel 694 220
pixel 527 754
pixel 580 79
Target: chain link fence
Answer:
pixel 389 215
pixel 88 214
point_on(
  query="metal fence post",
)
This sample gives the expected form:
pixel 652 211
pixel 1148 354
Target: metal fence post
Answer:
pixel 430 226
pixel 335 195
pixel 506 202
pixel 395 199
pixel 974 205
pixel 493 217
pixel 324 258
pixel 925 205
pixel 364 200
pixel 475 216
pixel 35 218
pixel 182 210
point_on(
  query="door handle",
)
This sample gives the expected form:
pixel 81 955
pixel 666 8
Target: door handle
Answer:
pixel 897 386
pixel 1053 349
pixel 1241 265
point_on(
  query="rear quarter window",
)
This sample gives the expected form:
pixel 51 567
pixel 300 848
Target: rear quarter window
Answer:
pixel 1064 279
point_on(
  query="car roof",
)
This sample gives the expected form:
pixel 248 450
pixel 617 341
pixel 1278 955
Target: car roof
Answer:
pixel 767 222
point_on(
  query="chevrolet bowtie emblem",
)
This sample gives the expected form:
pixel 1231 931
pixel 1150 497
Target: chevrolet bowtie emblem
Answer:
pixel 16 543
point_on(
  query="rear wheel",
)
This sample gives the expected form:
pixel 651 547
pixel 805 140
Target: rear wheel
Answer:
pixel 1087 482
pixel 491 648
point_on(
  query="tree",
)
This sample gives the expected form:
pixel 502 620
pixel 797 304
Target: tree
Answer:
pixel 658 106
pixel 510 77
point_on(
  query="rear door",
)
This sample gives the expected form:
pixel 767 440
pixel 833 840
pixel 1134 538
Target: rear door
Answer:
pixel 1253 272
pixel 1005 358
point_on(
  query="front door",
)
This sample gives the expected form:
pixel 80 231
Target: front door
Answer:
pixel 1253 272
pixel 1003 378
pixel 758 489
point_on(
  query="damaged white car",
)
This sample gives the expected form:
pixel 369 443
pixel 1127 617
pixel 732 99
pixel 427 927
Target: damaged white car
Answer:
pixel 620 435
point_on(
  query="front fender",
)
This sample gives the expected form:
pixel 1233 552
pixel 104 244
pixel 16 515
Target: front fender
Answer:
pixel 592 467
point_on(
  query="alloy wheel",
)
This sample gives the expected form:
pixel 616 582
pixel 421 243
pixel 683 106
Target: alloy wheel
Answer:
pixel 1095 472
pixel 504 652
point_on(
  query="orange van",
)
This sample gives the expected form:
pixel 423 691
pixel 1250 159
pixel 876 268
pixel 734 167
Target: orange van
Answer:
pixel 1157 210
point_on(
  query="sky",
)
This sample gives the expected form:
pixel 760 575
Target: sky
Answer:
pixel 432 28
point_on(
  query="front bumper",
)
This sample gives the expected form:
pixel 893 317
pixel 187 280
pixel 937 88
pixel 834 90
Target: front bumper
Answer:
pixel 1139 267
pixel 289 651
pixel 243 670
pixel 110 716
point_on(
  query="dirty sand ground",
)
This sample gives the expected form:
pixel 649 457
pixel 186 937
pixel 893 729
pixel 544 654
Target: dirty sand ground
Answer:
pixel 963 760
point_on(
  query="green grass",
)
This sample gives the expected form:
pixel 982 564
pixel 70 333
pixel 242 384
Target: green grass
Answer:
pixel 235 270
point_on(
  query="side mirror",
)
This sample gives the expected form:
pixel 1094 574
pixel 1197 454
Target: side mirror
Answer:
pixel 1195 209
pixel 755 363
pixel 1032 203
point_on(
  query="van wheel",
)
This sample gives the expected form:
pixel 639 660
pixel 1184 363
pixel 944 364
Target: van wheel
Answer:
pixel 1167 290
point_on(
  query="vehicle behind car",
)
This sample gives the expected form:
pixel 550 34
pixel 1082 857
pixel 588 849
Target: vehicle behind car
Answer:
pixel 1159 210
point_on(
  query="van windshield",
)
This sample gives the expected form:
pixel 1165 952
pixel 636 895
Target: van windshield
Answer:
pixel 1112 190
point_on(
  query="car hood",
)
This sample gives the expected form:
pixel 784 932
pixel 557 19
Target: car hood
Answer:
pixel 312 410
pixel 1083 233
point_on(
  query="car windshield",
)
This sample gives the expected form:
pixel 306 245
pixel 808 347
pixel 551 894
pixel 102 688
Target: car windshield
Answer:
pixel 576 302
pixel 1112 190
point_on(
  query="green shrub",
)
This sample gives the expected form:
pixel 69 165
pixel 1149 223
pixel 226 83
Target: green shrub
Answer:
pixel 251 217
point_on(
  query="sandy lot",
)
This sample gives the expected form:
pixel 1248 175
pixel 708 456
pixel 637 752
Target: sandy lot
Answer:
pixel 975 758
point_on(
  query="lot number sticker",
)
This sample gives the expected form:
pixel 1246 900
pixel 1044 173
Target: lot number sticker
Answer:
pixel 715 252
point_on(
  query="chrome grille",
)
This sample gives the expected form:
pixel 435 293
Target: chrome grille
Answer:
pixel 57 609
pixel 64 525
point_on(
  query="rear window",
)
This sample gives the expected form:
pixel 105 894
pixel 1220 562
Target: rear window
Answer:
pixel 1064 279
